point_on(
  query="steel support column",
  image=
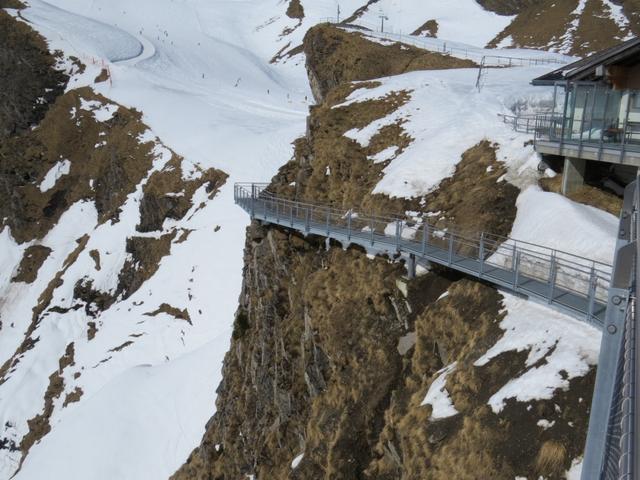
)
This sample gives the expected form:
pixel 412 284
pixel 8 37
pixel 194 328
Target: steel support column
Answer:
pixel 611 345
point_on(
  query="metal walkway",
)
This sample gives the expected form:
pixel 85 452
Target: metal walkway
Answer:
pixel 593 291
pixel 574 284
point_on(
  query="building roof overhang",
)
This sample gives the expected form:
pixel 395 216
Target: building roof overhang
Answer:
pixel 587 69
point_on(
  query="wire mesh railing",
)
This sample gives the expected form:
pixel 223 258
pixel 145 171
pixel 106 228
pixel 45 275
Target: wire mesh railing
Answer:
pixel 576 283
pixel 523 123
pixel 621 454
pixel 611 451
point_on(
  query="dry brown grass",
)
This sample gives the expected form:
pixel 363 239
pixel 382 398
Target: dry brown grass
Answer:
pixel 103 76
pixel 473 199
pixel 506 7
pixel 551 460
pixel 295 10
pixel 114 169
pixel 353 174
pixel 586 194
pixel 73 397
pixel 143 262
pixel 11 4
pixel 173 311
pixel 335 57
pixel 39 425
pixel 29 81
pixel 95 256
pixel 167 195
pixel 428 29
pixel 32 260
pixel 543 24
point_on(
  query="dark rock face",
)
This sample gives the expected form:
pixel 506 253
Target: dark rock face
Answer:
pixel 506 7
pixel 295 10
pixel 335 57
pixel 544 25
pixel 310 323
pixel 168 195
pixel 32 260
pixel 28 81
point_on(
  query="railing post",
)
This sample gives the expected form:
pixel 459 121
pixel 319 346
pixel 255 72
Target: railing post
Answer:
pixel 253 200
pixel 371 226
pixel 481 254
pixel 306 220
pixel 552 276
pixel 604 118
pixel 277 210
pixel 328 222
pixel 623 140
pixel 411 266
pixel 513 257
pixel 567 89
pixel 593 109
pixel 593 284
pixel 517 271
pixel 450 248
pixel 574 100
pixel 292 215
pixel 584 111
pixel 398 234
pixel 349 226
pixel 425 238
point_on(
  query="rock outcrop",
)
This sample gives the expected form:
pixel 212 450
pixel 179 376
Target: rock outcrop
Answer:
pixel 570 27
pixel 28 81
pixel 335 57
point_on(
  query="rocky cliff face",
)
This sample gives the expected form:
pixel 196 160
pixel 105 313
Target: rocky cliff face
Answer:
pixel 577 28
pixel 335 57
pixel 28 83
pixel 65 152
pixel 506 7
pixel 333 351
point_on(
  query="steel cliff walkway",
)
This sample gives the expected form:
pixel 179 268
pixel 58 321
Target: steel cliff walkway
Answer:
pixel 602 295
pixel 577 285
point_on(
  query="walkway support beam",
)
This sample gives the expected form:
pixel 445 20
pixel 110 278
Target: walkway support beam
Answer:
pixel 573 174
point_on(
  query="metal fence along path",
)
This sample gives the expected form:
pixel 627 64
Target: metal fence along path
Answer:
pixel 575 284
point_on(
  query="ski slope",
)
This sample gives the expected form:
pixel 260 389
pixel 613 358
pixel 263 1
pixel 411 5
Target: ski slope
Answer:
pixel 199 72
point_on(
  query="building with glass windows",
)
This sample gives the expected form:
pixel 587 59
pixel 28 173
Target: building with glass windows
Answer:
pixel 596 116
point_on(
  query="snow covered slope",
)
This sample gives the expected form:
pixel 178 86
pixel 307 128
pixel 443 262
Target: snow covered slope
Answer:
pixel 193 70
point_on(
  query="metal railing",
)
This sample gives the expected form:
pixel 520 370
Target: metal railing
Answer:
pixel 521 123
pixel 442 47
pixel 576 284
pixel 612 449
pixel 603 120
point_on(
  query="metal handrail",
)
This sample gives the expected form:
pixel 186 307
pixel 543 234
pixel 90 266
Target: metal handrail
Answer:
pixel 516 262
pixel 490 239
